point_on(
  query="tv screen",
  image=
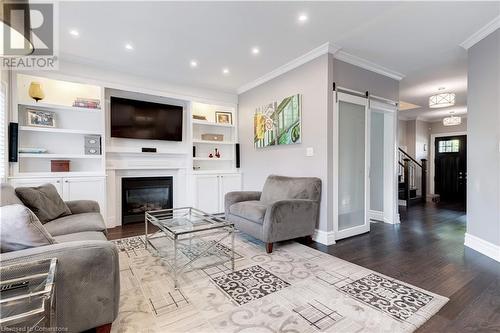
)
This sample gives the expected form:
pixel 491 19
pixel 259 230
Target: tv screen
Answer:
pixel 145 120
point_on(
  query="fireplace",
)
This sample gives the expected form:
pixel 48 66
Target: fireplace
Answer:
pixel 144 194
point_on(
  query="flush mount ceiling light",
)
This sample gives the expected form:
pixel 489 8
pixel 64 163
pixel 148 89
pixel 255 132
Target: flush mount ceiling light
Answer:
pixel 193 63
pixel 129 47
pixel 74 33
pixel 255 50
pixel 302 18
pixel 442 100
pixel 452 120
pixel 225 71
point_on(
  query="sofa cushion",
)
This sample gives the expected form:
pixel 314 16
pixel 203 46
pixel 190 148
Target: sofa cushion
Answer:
pixel 81 236
pixel 44 201
pixel 21 229
pixel 282 188
pixel 251 210
pixel 8 196
pixel 76 223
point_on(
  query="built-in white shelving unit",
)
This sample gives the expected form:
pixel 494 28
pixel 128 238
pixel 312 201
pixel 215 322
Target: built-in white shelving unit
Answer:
pixel 203 148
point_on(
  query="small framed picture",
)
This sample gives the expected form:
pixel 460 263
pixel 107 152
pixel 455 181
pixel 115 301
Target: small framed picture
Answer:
pixel 223 117
pixel 41 118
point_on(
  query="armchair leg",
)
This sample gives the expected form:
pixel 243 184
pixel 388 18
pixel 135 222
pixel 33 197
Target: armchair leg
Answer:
pixel 269 247
pixel 106 328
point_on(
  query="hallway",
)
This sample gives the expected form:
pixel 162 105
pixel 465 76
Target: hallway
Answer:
pixel 427 250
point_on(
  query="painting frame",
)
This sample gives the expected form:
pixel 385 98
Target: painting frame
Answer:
pixel 40 118
pixel 220 115
pixel 278 123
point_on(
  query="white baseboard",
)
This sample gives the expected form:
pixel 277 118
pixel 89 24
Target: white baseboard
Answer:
pixel 480 245
pixel 324 237
pixel 376 215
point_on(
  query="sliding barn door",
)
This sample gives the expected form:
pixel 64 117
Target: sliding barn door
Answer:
pixel 351 163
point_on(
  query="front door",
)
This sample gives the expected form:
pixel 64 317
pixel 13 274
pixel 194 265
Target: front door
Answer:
pixel 451 168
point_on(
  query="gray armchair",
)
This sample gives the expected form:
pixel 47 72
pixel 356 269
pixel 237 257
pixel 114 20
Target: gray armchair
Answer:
pixel 88 274
pixel 287 208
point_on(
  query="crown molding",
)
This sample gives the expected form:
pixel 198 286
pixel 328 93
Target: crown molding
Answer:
pixel 368 65
pixel 313 54
pixel 481 33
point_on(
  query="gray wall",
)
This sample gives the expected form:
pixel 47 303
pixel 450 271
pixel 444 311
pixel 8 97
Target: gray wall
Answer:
pixel 377 162
pixel 483 143
pixel 313 81
pixel 310 80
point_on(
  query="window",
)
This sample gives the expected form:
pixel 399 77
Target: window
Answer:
pixel 449 146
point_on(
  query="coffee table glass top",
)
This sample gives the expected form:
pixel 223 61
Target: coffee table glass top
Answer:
pixel 185 220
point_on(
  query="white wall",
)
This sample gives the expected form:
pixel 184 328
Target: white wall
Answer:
pixel 311 81
pixel 483 143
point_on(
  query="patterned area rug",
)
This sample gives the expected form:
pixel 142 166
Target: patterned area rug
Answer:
pixel 294 289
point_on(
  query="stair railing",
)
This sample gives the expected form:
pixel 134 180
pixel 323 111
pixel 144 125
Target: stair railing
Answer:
pixel 408 171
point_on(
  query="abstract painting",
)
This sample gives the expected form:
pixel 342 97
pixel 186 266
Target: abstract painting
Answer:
pixel 278 123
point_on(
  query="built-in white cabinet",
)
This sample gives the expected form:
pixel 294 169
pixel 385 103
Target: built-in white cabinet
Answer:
pixel 210 190
pixel 71 188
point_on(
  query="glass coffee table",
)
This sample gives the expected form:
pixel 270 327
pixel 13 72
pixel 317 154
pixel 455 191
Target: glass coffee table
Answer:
pixel 184 228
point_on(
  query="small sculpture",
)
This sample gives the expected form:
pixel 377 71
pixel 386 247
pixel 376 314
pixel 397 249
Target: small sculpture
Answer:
pixel 217 153
pixel 210 155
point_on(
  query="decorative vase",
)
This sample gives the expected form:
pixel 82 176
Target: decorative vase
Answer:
pixel 217 153
pixel 36 92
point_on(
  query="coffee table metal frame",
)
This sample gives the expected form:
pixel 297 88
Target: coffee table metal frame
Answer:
pixel 196 223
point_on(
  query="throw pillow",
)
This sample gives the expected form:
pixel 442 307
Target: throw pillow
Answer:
pixel 21 229
pixel 44 201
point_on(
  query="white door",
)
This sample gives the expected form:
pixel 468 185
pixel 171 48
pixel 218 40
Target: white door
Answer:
pixel 351 162
pixel 32 182
pixel 228 183
pixel 86 188
pixel 207 193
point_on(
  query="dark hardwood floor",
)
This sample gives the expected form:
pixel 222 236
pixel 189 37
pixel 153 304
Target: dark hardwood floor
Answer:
pixel 425 250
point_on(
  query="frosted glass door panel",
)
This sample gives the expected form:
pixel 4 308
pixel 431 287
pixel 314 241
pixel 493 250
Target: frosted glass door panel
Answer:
pixel 351 198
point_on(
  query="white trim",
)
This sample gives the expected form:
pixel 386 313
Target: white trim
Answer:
pixel 313 54
pixel 484 247
pixel 324 237
pixel 376 215
pixel 432 154
pixel 368 65
pixel 482 33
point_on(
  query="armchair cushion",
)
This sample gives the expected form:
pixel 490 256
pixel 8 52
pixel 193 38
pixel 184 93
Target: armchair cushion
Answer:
pixel 8 196
pixel 250 210
pixel 83 206
pixel 76 223
pixel 280 188
pixel 79 236
pixel 44 201
pixel 21 229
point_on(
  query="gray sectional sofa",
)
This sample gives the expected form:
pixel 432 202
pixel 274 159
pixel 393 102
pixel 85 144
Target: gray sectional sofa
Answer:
pixel 87 278
pixel 287 208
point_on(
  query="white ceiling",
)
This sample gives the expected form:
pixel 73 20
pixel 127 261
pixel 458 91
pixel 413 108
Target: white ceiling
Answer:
pixel 413 38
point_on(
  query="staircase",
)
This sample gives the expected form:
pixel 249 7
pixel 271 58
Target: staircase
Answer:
pixel 412 176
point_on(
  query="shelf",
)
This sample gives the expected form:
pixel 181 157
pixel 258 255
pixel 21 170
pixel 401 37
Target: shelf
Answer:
pixel 47 106
pixel 208 123
pixel 211 159
pixel 58 156
pixel 137 151
pixel 215 171
pixel 57 130
pixel 214 142
pixel 57 174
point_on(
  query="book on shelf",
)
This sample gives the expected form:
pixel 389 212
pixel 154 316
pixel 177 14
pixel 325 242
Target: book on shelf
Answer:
pixel 89 103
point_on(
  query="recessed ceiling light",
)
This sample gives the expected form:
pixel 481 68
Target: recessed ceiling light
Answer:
pixel 193 63
pixel 74 33
pixel 129 46
pixel 255 50
pixel 303 18
pixel 225 71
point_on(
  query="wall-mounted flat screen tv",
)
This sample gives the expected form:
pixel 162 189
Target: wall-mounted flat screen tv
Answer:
pixel 145 120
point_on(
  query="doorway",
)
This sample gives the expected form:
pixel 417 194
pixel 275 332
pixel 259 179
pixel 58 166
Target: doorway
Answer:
pixel 450 168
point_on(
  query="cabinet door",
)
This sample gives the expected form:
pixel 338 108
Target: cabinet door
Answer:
pixel 86 188
pixel 32 182
pixel 228 183
pixel 207 193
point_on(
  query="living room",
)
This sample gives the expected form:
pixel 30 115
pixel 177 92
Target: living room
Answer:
pixel 242 180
